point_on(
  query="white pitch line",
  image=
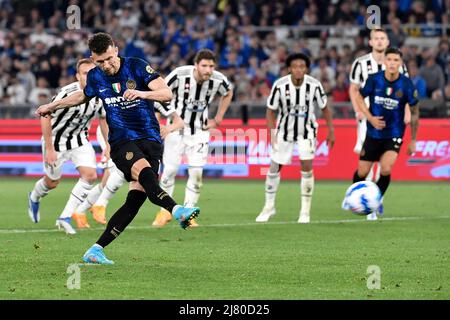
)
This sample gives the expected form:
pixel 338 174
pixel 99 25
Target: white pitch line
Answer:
pixel 225 225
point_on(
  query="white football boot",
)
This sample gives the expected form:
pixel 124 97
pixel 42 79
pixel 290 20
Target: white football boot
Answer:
pixel 64 224
pixel 304 217
pixel 267 212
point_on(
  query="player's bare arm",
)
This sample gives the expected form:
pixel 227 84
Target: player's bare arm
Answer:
pixel 271 117
pixel 177 124
pixel 73 100
pixel 159 92
pixel 105 131
pixel 414 128
pixel 224 103
pixel 377 122
pixel 327 114
pixel 354 93
pixel 50 153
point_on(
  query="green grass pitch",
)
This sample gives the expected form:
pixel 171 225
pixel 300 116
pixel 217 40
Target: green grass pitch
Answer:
pixel 230 256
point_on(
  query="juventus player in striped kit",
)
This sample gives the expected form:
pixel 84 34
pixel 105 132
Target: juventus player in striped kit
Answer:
pixel 362 67
pixel 294 97
pixel 65 137
pixel 194 88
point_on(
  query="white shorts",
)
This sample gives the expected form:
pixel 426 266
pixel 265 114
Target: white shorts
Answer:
pixel 195 147
pixel 361 130
pixel 282 151
pixel 83 156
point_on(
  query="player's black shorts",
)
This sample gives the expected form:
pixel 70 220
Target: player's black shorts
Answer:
pixel 126 154
pixel 373 149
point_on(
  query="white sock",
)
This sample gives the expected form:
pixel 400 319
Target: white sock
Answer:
pixel 40 190
pixel 77 196
pixel 114 182
pixel 272 182
pixel 307 188
pixel 175 208
pixel 90 199
pixel 167 182
pixel 193 186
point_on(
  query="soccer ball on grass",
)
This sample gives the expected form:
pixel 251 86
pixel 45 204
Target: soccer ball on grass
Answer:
pixel 362 198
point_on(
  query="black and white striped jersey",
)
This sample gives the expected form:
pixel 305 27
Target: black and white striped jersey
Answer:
pixel 191 100
pixel 70 126
pixel 366 65
pixel 296 106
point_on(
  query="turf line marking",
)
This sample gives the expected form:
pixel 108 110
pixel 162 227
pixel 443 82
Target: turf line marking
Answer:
pixel 17 231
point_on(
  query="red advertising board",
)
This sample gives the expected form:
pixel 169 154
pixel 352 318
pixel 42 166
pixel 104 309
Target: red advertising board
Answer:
pixel 238 151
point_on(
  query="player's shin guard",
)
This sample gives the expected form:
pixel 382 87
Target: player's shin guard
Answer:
pixel 114 182
pixel 307 188
pixel 383 183
pixel 167 182
pixel 194 183
pixel 272 183
pixel 90 199
pixel 40 190
pixel 123 217
pixel 374 173
pixel 149 181
pixel 77 196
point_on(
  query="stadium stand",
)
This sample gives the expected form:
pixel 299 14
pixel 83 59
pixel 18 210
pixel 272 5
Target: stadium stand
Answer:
pixel 251 38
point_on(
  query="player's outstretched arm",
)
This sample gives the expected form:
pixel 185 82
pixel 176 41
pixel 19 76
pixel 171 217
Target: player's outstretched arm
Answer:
pixel 73 100
pixel 327 114
pixel 414 128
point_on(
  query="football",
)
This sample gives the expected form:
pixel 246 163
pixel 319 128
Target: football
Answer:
pixel 362 198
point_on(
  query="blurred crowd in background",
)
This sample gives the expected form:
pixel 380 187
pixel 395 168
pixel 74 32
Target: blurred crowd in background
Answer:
pixel 251 38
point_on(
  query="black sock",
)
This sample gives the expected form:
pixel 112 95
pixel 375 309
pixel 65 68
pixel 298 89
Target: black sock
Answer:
pixel 383 183
pixel 149 181
pixel 122 218
pixel 357 178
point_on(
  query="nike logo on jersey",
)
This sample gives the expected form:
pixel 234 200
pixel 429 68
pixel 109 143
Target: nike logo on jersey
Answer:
pixel 101 90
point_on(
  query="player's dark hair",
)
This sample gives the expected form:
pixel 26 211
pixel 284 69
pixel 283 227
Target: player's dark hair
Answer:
pixel 298 56
pixel 100 42
pixel 393 50
pixel 204 54
pixel 83 61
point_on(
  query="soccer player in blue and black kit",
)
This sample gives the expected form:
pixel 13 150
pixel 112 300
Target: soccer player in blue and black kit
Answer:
pixel 127 87
pixel 389 92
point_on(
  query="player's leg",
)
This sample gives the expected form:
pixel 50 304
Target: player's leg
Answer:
pixel 84 160
pixel 281 155
pixel 113 183
pixel 307 150
pixel 387 161
pixel 44 185
pixel 370 153
pixel 139 161
pixel 80 212
pixel 173 152
pixel 197 155
pixel 361 130
pixel 117 224
pixel 271 187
